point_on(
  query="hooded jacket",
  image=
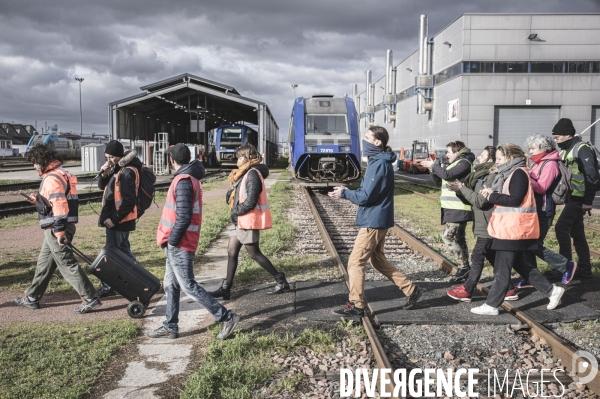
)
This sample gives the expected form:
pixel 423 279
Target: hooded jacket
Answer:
pixel 458 172
pixel 375 196
pixel 253 190
pixel 184 196
pixel 127 180
pixel 543 184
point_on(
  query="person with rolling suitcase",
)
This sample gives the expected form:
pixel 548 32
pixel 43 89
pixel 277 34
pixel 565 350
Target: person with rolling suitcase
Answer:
pixel 178 233
pixel 57 204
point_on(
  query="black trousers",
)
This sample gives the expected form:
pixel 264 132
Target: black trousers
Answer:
pixel 570 225
pixel 504 262
pixel 481 252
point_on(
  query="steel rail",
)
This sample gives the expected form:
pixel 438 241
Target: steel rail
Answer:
pixel 378 351
pixel 560 347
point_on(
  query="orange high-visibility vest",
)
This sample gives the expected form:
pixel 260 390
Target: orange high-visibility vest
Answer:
pixel 520 223
pixel 189 241
pixel 259 218
pixel 59 187
pixel 119 196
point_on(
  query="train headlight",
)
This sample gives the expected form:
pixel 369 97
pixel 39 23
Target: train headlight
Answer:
pixel 345 148
pixel 221 148
pixel 311 148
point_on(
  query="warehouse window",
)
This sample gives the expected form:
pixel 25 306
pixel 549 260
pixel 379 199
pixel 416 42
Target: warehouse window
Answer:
pixel 547 67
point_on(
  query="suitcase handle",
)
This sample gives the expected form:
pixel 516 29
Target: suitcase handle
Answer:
pixel 81 254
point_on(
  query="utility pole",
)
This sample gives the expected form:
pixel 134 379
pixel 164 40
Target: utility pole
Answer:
pixel 80 110
pixel 294 85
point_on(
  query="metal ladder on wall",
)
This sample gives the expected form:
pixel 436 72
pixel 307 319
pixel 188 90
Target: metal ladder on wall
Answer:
pixel 160 165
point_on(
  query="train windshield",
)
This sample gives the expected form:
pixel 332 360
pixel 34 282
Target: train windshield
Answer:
pixel 326 124
pixel 231 134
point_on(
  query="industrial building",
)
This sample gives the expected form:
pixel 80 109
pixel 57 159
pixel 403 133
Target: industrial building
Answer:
pixel 486 79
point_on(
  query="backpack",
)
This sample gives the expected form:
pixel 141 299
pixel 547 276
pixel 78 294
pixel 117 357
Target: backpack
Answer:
pixel 145 180
pixel 562 187
pixel 596 152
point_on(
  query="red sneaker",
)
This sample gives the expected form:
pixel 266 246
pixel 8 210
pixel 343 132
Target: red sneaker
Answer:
pixel 459 293
pixel 511 295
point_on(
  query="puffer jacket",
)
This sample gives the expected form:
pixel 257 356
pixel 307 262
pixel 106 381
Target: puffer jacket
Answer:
pixel 458 172
pixel 543 184
pixel 482 209
pixel 253 190
pixel 375 196
pixel 127 181
pixel 184 197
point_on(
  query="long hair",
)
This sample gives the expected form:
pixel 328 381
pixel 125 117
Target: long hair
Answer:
pixel 249 152
pixel 491 153
pixel 381 134
pixel 42 154
pixel 512 151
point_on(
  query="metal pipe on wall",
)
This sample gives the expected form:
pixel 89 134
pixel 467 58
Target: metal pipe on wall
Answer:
pixel 423 33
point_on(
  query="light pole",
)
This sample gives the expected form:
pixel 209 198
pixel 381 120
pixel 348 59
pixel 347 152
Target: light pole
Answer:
pixel 80 110
pixel 294 85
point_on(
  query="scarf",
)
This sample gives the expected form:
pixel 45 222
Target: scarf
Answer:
pixel 464 151
pixel 505 170
pixel 481 171
pixel 538 157
pixel 370 149
pixel 236 175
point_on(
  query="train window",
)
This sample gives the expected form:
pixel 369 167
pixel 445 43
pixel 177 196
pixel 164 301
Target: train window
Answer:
pixel 326 124
pixel 231 134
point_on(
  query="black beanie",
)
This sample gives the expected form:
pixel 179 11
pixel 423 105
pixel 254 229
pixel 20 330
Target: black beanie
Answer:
pixel 564 127
pixel 114 148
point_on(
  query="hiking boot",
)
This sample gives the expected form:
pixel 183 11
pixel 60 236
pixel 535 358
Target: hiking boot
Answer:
pixel 460 275
pixel 485 310
pixel 87 305
pixel 583 274
pixel 223 292
pixel 105 292
pixel 523 284
pixel 459 293
pixel 24 301
pixel 228 326
pixel 350 311
pixel 569 273
pixel 282 285
pixel 555 295
pixel 511 295
pixel 162 332
pixel 413 298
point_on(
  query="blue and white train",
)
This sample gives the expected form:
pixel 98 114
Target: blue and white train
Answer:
pixel 324 139
pixel 231 137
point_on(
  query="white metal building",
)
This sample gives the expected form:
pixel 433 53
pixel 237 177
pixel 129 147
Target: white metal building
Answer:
pixel 495 78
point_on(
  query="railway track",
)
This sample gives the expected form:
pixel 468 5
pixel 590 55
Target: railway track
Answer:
pixel 335 222
pixel 14 208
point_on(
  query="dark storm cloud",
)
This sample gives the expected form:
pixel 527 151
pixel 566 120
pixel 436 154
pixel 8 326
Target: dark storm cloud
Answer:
pixel 260 47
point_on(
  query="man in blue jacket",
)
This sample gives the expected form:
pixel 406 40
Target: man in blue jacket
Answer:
pixel 375 198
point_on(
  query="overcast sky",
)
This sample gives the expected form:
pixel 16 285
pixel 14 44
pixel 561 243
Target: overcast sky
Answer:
pixel 260 47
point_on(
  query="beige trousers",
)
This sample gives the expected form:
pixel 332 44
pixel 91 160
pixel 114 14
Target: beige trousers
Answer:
pixel 369 245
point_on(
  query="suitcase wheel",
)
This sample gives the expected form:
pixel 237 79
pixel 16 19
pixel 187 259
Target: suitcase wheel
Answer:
pixel 136 309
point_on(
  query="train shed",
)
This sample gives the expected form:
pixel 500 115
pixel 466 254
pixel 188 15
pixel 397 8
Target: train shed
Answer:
pixel 188 108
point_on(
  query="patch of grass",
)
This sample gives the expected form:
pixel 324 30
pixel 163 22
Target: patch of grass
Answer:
pixel 215 216
pixel 235 367
pixel 53 360
pixel 12 181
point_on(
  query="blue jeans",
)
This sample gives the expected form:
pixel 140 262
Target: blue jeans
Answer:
pixel 119 239
pixel 557 261
pixel 179 276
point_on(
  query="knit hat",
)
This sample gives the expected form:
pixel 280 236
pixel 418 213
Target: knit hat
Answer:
pixel 114 148
pixel 564 127
pixel 180 153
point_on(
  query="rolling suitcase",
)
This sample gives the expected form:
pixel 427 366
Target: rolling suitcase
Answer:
pixel 125 276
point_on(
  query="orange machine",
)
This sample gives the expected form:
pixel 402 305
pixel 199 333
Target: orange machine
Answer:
pixel 416 155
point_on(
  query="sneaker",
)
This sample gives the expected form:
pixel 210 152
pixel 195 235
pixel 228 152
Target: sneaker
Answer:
pixel 413 298
pixel 105 292
pixel 460 275
pixel 511 295
pixel 24 301
pixel 87 305
pixel 162 332
pixel 228 326
pixel 485 310
pixel 569 273
pixel 459 293
pixel 350 310
pixel 523 284
pixel 555 295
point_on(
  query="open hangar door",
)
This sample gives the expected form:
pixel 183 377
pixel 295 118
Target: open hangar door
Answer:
pixel 515 124
pixel 187 108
